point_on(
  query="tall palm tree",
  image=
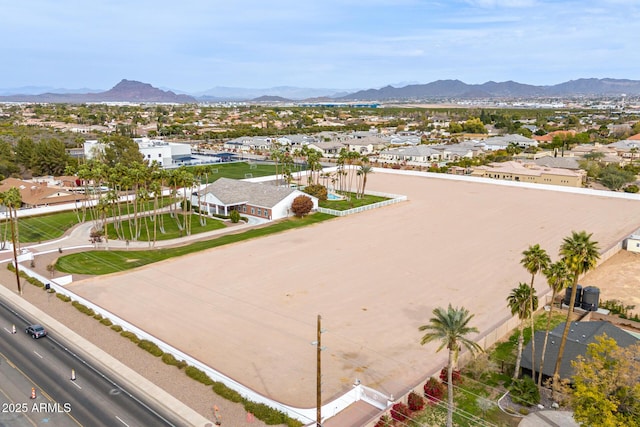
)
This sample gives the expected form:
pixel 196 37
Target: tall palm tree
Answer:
pixel 365 169
pixel 450 327
pixel 12 199
pixel 558 277
pixel 580 254
pixel 518 301
pixel 534 260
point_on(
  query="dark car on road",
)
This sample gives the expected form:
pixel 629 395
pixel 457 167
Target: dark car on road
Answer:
pixel 36 331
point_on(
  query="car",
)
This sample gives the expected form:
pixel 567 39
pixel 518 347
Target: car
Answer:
pixel 36 331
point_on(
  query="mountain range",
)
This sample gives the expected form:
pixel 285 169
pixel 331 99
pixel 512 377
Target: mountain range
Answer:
pixel 134 91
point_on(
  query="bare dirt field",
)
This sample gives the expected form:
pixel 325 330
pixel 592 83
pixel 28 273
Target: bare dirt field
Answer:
pixel 618 278
pixel 249 309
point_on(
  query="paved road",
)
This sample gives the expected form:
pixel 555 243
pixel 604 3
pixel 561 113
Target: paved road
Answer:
pixel 92 399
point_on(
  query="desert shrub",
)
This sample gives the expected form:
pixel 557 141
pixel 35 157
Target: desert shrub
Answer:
pixel 524 391
pixel 301 206
pixel 433 390
pixel 106 322
pixel 631 188
pixel 98 316
pixel 384 421
pixel 151 347
pixel 198 375
pixel 228 393
pixel 116 328
pixel 317 190
pixel 415 401
pixel 400 412
pixel 523 411
pixel 455 376
pixel 169 359
pixel 131 336
pixel 63 297
pixel 83 308
pixel 234 216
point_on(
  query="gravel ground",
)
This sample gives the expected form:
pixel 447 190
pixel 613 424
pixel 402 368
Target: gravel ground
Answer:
pixel 197 396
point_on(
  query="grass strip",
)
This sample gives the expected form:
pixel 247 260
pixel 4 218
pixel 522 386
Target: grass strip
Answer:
pixel 112 261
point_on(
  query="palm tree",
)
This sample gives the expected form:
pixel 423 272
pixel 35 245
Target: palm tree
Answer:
pixel 534 260
pixel 364 170
pixel 580 254
pixel 12 199
pixel 558 277
pixel 450 328
pixel 518 301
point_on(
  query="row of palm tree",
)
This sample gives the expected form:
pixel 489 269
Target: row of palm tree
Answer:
pixel 134 194
pixel 342 178
pixel 450 327
pixel 578 254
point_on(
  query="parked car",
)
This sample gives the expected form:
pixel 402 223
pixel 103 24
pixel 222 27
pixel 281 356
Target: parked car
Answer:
pixel 36 331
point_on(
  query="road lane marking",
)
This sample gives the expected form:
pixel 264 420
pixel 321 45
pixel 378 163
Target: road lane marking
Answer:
pixel 120 419
pixel 38 354
pixel 76 384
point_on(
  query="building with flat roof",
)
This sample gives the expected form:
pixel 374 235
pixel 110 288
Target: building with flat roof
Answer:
pixel 532 173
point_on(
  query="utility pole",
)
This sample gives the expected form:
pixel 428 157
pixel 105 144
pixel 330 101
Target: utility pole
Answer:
pixel 15 250
pixel 319 377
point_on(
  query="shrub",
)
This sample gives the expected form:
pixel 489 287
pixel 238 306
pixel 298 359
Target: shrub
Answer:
pixel 525 392
pixel 83 308
pixel 384 421
pixel 169 359
pixel 151 347
pixel 433 390
pixel 301 206
pixel 106 322
pixel 98 316
pixel 132 337
pixel 228 393
pixel 63 297
pixel 415 401
pixel 400 412
pixel 117 328
pixel 523 411
pixel 455 376
pixel 198 375
pixel 632 188
pixel 317 190
pixel 234 216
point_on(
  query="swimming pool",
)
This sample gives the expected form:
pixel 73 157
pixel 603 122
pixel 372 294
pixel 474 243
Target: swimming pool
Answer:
pixel 333 196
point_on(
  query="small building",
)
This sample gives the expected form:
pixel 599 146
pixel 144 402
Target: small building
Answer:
pixel 632 243
pixel 37 194
pixel 532 173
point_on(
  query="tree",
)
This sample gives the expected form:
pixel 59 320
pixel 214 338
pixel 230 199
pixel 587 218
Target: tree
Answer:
pixel 580 254
pixel 50 158
pixel 613 177
pixel 12 199
pixel 518 301
pixel 534 260
pixel 607 385
pixel 365 169
pixel 558 277
pixel 301 205
pixel 450 327
pixel 121 149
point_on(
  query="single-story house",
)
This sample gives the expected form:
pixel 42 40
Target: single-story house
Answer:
pixel 36 194
pixel 531 172
pixel 328 148
pixel 418 154
pixel 580 336
pixel 502 142
pixel 265 201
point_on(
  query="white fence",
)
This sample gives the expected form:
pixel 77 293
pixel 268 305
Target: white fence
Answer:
pixel 393 199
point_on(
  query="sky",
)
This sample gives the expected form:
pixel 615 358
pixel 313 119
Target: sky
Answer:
pixel 195 45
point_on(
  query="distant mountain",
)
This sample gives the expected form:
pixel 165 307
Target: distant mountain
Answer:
pixel 35 90
pixel 510 89
pixel 267 98
pixel 125 91
pixel 287 92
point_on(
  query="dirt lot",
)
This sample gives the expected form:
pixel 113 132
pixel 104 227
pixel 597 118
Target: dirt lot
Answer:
pixel 249 309
pixel 618 278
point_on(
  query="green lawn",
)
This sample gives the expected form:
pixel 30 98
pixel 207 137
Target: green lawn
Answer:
pixel 105 262
pixel 52 226
pixel 170 227
pixel 343 205
pixel 238 170
pixel 42 227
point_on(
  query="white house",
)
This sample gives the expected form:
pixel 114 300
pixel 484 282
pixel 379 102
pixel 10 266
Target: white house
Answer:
pixel 418 154
pixel 632 243
pixel 502 142
pixel 166 154
pixel 265 201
